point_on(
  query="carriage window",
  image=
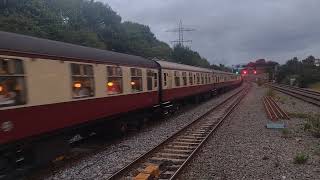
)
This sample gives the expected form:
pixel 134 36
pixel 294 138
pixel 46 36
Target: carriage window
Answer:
pixel 190 78
pixel 12 83
pixel 155 84
pixel 114 76
pixel 82 80
pixel 165 77
pixel 184 78
pixel 198 78
pixel 151 78
pixel 177 78
pixel 206 78
pixel 136 80
pixel 202 79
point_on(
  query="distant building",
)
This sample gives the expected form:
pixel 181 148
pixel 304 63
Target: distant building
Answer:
pixel 317 62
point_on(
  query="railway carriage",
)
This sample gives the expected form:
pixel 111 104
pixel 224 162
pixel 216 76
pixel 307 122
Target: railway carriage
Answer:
pixel 180 81
pixel 50 91
pixel 48 88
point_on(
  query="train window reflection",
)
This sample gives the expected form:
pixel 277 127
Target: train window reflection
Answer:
pixel 177 78
pixel 184 78
pixel 165 77
pixel 155 80
pixel 114 76
pixel 202 78
pixel 190 78
pixel 198 78
pixel 150 79
pixel 82 80
pixel 12 83
pixel 136 80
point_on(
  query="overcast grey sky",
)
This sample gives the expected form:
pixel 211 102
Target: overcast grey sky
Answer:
pixel 233 31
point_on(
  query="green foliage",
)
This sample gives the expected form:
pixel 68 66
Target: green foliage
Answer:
pixel 315 86
pixel 307 126
pixel 301 158
pixel 259 82
pixel 185 55
pixel 89 23
pixel 317 150
pixel 282 99
pixel 285 132
pixel 313 125
pixel 298 115
pixel 270 92
pixel 305 72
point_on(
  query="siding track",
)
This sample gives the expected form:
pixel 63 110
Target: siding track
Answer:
pixel 307 95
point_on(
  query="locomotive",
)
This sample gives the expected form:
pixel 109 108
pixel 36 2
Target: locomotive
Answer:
pixel 50 91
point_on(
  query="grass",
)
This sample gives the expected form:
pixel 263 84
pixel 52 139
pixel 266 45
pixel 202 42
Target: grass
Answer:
pixel 315 86
pixel 285 132
pixel 306 126
pixel 301 158
pixel 282 100
pixel 270 92
pixel 314 122
pixel 298 115
pixel 317 150
pixel 259 82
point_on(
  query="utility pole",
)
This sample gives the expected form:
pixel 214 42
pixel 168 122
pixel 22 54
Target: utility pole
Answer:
pixel 180 31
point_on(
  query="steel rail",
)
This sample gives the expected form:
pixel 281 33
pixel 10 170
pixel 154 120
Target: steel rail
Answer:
pixel 305 96
pixel 309 91
pixel 237 97
pixel 282 113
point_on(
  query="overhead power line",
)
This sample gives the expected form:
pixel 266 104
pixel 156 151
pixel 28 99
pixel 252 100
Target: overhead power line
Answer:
pixel 180 31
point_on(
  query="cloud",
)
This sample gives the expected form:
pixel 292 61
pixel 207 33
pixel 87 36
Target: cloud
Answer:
pixel 231 31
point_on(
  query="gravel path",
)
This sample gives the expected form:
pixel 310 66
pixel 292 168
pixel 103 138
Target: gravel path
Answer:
pixel 115 156
pixel 244 149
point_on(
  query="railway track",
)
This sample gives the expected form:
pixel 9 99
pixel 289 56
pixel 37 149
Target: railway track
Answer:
pixel 90 146
pixel 307 95
pixel 273 110
pixel 167 159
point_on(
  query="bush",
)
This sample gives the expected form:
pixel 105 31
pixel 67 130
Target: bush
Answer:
pixel 301 158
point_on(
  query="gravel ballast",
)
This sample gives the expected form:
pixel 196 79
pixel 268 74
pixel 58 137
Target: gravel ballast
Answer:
pixel 243 148
pixel 117 155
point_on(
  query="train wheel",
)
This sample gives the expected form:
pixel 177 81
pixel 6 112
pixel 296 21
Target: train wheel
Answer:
pixel 6 165
pixel 142 122
pixel 118 128
pixel 85 134
pixel 123 127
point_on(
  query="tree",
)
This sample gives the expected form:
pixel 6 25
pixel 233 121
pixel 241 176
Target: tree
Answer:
pixel 185 55
pixel 89 23
pixel 305 72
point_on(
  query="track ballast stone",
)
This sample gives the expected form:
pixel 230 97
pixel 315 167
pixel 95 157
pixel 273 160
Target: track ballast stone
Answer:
pixel 244 149
pixel 117 155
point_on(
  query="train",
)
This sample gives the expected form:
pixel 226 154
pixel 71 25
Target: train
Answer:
pixel 50 91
